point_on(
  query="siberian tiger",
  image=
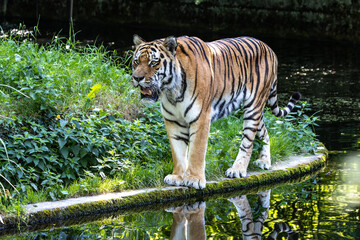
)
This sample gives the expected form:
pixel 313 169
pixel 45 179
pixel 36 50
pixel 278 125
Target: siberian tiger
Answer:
pixel 199 82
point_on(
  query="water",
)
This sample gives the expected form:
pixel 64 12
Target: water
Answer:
pixel 326 206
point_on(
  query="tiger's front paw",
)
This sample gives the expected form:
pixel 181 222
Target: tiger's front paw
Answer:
pixel 194 181
pixel 263 162
pixel 173 180
pixel 235 173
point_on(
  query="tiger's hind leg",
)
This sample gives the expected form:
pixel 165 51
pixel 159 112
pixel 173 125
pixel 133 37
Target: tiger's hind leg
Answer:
pixel 264 161
pixel 251 123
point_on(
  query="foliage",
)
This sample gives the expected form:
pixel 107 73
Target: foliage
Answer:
pixel 56 151
pixel 58 76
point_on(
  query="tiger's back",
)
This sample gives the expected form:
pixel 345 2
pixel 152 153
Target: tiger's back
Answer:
pixel 241 70
pixel 244 68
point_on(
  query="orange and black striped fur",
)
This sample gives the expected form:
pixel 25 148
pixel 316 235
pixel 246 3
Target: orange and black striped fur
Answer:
pixel 199 82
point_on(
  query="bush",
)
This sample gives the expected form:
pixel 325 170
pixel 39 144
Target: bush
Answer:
pixel 56 151
pixel 58 76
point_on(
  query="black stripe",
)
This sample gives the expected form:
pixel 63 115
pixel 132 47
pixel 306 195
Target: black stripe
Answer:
pixel 193 134
pixel 183 85
pixel 250 128
pixel 274 106
pixel 247 137
pixel 247 147
pixel 166 110
pixel 196 118
pixel 190 106
pixel 196 79
pixel 176 122
pixel 294 101
pixel 183 50
pixel 179 138
pixel 199 45
pixel 252 116
pixel 185 133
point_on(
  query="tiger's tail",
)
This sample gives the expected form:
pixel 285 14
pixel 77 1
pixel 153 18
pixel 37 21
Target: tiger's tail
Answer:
pixel 273 103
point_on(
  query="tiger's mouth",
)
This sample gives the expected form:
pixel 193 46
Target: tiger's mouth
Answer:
pixel 149 95
pixel 145 91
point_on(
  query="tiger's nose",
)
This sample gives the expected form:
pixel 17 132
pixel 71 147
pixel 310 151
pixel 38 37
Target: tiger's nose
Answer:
pixel 138 79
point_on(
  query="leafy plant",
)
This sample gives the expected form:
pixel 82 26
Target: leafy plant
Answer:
pixel 56 151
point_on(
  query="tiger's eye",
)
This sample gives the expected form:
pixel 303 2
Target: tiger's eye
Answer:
pixel 154 63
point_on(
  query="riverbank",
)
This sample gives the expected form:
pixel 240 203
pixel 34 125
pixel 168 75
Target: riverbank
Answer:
pixel 40 215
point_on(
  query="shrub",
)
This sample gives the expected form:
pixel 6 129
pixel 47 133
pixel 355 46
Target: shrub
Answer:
pixel 58 76
pixel 56 151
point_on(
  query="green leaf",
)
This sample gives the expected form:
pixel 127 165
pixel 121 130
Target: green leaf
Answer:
pixel 63 123
pixel 34 186
pixel 61 142
pixel 83 162
pixel 76 150
pixel 77 124
pixel 43 107
pixel 64 152
pixel 52 196
pixel 36 162
pixel 32 95
pixel 65 192
pixel 17 57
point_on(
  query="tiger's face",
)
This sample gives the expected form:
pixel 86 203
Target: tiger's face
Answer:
pixel 150 66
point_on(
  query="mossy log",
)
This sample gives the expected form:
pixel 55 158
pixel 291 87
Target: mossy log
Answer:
pixel 160 199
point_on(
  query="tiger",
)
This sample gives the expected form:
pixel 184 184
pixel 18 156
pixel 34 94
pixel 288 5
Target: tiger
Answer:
pixel 199 82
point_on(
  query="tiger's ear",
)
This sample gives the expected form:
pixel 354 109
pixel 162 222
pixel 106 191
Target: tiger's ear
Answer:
pixel 138 40
pixel 171 44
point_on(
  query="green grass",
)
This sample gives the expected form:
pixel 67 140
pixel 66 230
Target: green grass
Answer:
pixel 77 128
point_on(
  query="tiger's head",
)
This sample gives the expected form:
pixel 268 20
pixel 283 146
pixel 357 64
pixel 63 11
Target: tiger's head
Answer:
pixel 153 67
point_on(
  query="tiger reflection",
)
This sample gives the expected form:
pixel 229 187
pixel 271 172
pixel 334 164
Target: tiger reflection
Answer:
pixel 252 228
pixel 189 221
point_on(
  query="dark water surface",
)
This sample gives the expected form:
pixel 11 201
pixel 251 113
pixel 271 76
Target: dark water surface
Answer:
pixel 326 206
